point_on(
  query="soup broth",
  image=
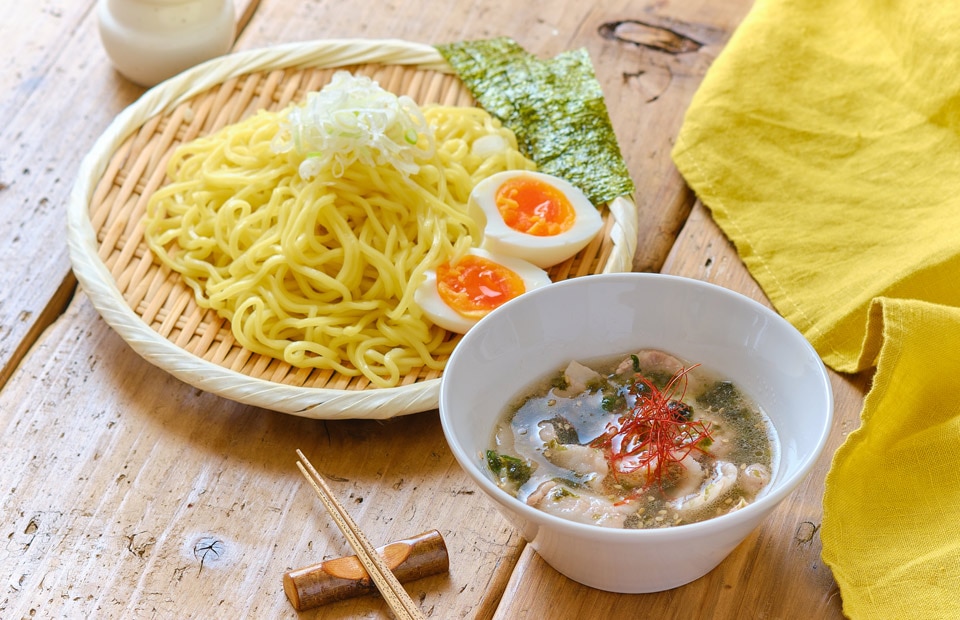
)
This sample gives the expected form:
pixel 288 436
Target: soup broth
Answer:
pixel 640 440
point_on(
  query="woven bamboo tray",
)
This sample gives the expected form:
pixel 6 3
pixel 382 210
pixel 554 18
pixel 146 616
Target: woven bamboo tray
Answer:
pixel 155 312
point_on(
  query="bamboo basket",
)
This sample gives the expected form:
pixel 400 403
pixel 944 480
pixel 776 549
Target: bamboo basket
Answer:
pixel 156 313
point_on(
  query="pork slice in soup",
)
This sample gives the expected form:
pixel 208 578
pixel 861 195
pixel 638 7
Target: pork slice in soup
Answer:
pixel 640 440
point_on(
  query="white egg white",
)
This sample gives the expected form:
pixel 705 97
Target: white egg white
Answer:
pixel 442 315
pixel 542 251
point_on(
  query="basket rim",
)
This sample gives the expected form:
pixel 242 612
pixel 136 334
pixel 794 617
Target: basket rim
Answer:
pixel 100 287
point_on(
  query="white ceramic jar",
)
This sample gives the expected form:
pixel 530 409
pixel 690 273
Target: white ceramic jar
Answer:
pixel 149 41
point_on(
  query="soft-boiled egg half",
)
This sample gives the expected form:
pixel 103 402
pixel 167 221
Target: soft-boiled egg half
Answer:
pixel 538 217
pixel 457 294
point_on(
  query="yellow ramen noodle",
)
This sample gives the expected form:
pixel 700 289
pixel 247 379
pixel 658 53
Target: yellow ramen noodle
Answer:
pixel 321 272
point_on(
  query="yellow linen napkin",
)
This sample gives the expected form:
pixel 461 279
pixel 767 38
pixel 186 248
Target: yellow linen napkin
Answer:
pixel 892 507
pixel 825 139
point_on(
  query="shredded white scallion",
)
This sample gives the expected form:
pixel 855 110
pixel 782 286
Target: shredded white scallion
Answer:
pixel 354 119
pixel 488 145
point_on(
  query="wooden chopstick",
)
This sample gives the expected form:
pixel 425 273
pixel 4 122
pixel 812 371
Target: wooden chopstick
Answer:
pixel 397 598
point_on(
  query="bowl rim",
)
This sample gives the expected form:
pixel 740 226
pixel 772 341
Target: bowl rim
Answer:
pixel 752 512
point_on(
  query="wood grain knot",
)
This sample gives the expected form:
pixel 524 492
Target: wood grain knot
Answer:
pixel 209 550
pixel 660 38
pixel 805 532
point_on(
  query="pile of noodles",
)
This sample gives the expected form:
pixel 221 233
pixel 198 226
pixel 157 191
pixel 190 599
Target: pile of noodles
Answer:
pixel 313 255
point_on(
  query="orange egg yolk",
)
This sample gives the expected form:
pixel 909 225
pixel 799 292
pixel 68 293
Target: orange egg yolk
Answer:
pixel 529 205
pixel 475 285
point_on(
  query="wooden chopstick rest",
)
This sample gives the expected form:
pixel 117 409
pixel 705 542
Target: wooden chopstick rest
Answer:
pixel 342 578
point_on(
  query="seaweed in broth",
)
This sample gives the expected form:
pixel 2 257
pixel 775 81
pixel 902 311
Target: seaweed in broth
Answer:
pixel 634 441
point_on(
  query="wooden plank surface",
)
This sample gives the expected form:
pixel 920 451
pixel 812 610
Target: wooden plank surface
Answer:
pixel 131 495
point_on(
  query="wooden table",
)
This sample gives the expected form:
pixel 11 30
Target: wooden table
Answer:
pixel 127 493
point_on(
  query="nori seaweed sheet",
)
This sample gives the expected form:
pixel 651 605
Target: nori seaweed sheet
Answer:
pixel 554 106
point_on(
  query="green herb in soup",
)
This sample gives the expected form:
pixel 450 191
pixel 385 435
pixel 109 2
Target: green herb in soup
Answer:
pixel 636 441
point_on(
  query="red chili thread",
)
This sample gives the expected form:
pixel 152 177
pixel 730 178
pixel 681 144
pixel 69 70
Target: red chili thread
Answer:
pixel 654 434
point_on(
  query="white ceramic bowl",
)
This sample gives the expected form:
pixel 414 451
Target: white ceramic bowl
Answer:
pixel 602 315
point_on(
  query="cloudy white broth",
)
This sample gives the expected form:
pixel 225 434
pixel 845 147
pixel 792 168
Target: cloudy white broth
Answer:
pixel 639 440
